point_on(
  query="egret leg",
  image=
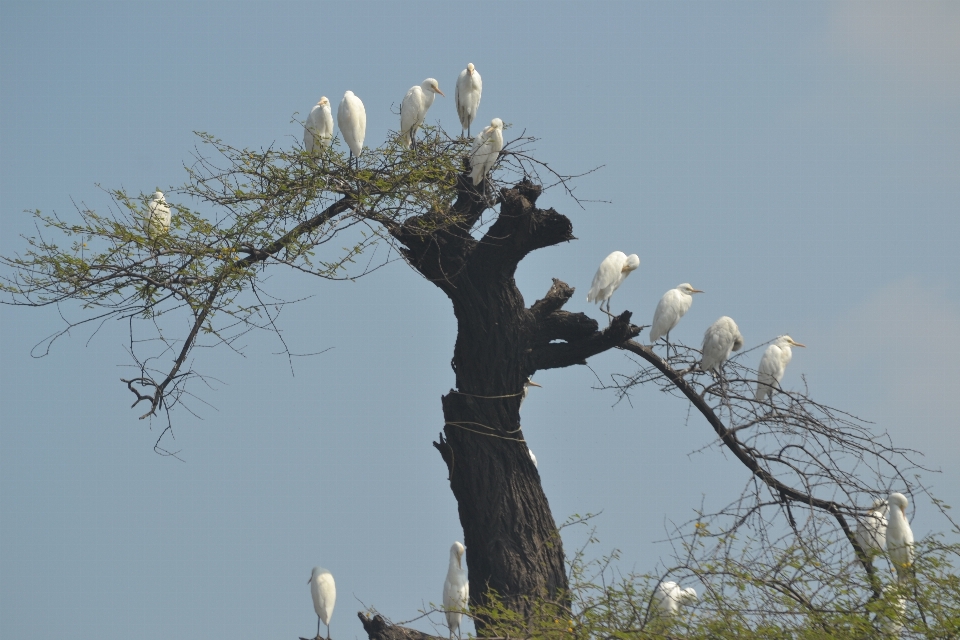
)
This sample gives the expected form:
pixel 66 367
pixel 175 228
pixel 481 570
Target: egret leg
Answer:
pixel 328 632
pixel 318 626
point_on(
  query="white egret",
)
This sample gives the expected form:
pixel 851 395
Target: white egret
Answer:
pixel 891 620
pixel 899 536
pixel 324 592
pixel 773 365
pixel 456 589
pixel 467 96
pixel 158 220
pixel 526 388
pixel 669 596
pixel 720 340
pixel 486 150
pixel 318 129
pixel 413 109
pixel 611 274
pixel 670 309
pixel 532 457
pixel 871 532
pixel 352 120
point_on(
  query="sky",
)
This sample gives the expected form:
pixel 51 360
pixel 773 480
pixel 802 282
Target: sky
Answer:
pixel 798 161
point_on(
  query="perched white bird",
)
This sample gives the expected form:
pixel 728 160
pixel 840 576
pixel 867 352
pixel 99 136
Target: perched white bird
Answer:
pixel 318 129
pixel 526 388
pixel 670 309
pixel 532 457
pixel 871 532
pixel 413 109
pixel 773 365
pixel 486 150
pixel 899 536
pixel 891 620
pixel 324 593
pixel 467 96
pixel 158 221
pixel 720 340
pixel 352 120
pixel 456 589
pixel 611 274
pixel 669 596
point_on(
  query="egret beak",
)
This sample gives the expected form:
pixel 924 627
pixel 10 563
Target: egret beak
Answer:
pixel 797 344
pixel 437 89
pixel 696 291
pixel 311 578
pixel 534 384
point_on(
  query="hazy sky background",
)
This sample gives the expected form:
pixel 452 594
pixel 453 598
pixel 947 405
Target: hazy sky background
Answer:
pixel 798 161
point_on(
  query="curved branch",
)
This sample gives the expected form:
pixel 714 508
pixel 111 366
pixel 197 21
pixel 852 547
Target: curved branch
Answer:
pixel 734 446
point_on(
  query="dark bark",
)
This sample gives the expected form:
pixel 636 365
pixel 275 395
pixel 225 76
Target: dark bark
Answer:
pixel 379 629
pixel 513 545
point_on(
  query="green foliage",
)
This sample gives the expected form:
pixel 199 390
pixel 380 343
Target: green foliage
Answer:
pixel 738 600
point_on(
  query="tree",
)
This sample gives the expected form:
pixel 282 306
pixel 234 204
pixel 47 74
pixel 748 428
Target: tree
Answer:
pixel 279 207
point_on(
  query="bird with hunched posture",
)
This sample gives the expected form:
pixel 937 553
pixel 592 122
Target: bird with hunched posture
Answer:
pixel 352 120
pixel 413 109
pixel 318 129
pixel 670 309
pixel 669 596
pixel 612 272
pixel 456 589
pixel 773 365
pixel 486 150
pixel 720 340
pixel 467 96
pixel 324 592
pixel 899 536
pixel 871 532
pixel 158 219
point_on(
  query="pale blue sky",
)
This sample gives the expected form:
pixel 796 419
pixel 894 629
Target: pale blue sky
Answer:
pixel 798 161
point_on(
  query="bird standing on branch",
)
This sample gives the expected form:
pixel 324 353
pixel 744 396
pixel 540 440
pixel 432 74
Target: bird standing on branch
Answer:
pixel 672 306
pixel 486 150
pixel 720 340
pixel 158 218
pixel 871 533
pixel 899 536
pixel 456 589
pixel 467 96
pixel 318 130
pixel 352 120
pixel 773 365
pixel 612 272
pixel 324 593
pixel 413 109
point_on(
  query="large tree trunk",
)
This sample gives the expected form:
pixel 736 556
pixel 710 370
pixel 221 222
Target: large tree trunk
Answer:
pixel 513 545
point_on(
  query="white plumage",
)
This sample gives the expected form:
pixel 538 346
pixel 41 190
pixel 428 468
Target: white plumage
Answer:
pixel 413 109
pixel 612 272
pixel 456 589
pixel 467 96
pixel 324 592
pixel 532 457
pixel 158 220
pixel 486 150
pixel 669 596
pixel 899 536
pixel 670 309
pixel 318 129
pixel 720 340
pixel 773 365
pixel 871 532
pixel 352 120
pixel 526 388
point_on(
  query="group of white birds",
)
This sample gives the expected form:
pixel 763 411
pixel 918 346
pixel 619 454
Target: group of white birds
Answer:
pixel 456 592
pixel 720 340
pixel 352 120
